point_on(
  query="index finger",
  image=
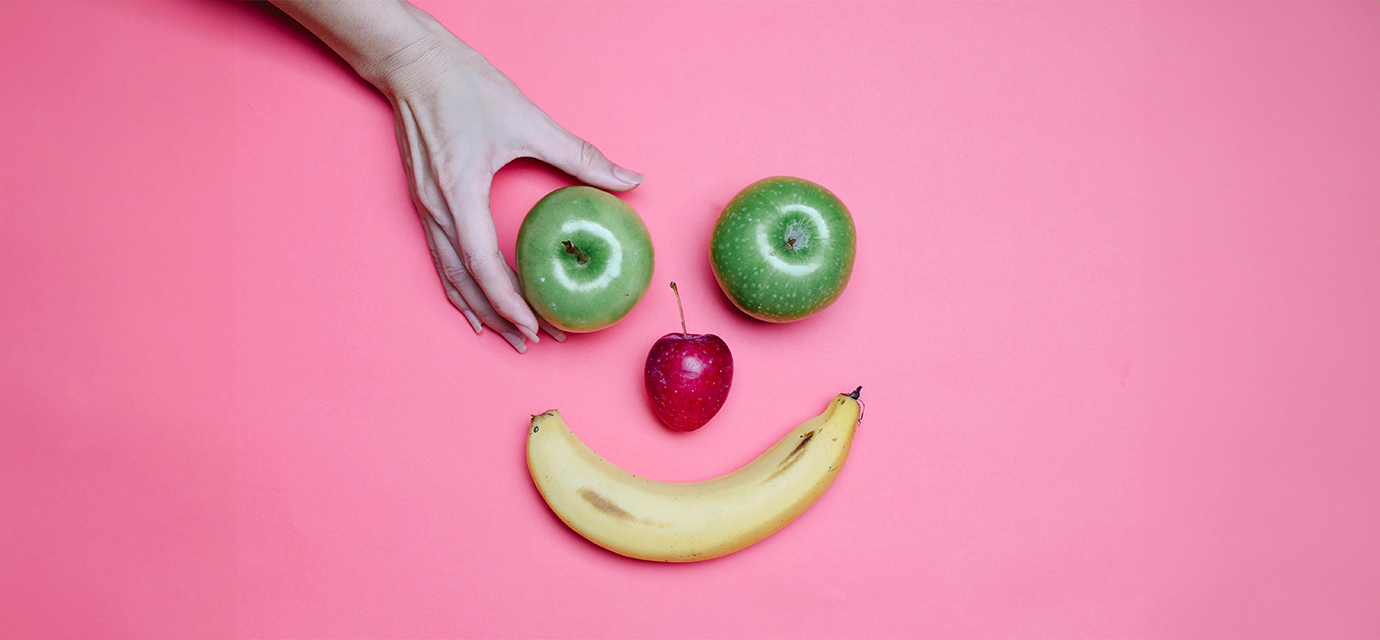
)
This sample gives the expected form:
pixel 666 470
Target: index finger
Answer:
pixel 477 243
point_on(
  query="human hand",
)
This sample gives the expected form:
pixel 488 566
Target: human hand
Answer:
pixel 458 121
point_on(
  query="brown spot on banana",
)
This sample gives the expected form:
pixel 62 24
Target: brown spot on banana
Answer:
pixel 603 504
pixel 804 440
pixel 792 457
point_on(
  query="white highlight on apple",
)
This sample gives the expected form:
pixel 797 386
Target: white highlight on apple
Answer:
pixel 615 264
pixel 820 228
pixel 692 366
pixel 764 244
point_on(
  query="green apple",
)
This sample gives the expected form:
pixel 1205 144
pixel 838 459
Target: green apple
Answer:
pixel 783 249
pixel 584 258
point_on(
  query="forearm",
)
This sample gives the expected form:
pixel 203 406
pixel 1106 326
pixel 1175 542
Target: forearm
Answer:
pixel 368 34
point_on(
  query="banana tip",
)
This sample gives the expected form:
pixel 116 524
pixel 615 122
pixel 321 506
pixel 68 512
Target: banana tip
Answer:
pixel 856 393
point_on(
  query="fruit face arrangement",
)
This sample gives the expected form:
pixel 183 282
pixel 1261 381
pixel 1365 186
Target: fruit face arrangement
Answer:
pixel 584 259
pixel 782 250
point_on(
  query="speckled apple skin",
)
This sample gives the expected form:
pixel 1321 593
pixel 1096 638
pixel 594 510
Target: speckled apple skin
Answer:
pixel 759 272
pixel 688 377
pixel 540 256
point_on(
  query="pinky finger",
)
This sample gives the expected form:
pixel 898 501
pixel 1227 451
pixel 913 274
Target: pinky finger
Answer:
pixel 452 293
pixel 453 271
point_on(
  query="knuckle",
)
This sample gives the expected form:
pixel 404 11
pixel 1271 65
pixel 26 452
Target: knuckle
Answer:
pixel 427 199
pixel 481 264
pixel 434 216
pixel 454 272
pixel 590 156
pixel 446 224
pixel 447 170
pixel 458 168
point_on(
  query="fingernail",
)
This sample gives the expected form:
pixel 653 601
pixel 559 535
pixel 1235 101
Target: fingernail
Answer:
pixel 531 335
pixel 628 176
pixel 517 342
pixel 557 334
pixel 474 322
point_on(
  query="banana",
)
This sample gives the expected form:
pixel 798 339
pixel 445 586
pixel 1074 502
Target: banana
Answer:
pixel 689 521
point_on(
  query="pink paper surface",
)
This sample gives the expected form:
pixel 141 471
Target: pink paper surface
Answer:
pixel 1114 313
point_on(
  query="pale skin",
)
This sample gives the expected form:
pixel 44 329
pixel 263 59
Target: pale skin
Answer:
pixel 458 121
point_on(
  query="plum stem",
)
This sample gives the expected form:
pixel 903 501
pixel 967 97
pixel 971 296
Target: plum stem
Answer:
pixel 580 256
pixel 682 310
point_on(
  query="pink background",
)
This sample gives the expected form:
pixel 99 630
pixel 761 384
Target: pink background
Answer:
pixel 1116 311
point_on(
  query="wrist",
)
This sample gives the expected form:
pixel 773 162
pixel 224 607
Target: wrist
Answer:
pixel 376 53
pixel 369 35
pixel 424 61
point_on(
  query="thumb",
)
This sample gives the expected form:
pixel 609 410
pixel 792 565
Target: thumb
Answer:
pixel 569 153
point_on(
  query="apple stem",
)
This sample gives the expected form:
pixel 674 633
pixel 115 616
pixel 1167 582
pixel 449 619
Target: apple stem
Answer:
pixel 790 243
pixel 682 310
pixel 571 248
